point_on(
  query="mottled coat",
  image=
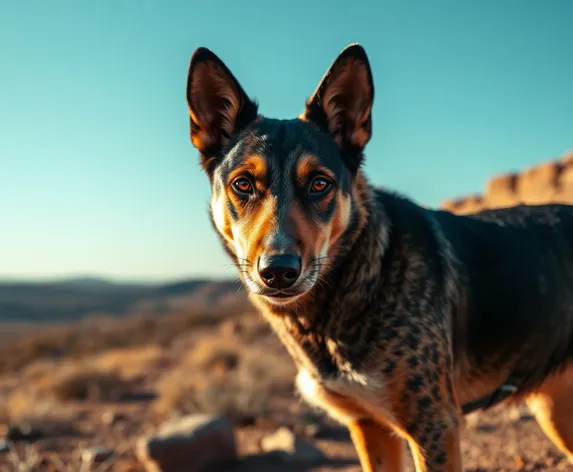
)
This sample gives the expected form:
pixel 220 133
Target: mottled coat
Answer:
pixel 395 315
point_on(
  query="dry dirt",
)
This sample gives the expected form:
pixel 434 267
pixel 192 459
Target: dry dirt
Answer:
pixel 79 398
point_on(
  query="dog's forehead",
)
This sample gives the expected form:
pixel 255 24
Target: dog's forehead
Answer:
pixel 281 144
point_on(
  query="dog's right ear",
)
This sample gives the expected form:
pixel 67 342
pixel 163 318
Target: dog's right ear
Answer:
pixel 218 106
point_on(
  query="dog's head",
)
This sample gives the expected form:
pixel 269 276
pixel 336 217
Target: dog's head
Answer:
pixel 282 190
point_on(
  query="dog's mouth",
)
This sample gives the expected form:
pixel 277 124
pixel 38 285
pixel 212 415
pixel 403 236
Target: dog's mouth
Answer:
pixel 281 297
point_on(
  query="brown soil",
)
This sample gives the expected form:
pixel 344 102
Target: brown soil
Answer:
pixel 112 396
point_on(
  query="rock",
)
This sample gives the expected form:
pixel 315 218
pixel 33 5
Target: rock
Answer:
pixel 548 182
pixel 23 432
pixel 284 444
pixel 472 420
pixel 501 190
pixel 4 445
pixel 194 443
pixel 95 455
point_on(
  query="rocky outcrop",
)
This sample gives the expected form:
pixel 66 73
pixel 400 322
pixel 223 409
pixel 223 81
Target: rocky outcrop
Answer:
pixel 549 182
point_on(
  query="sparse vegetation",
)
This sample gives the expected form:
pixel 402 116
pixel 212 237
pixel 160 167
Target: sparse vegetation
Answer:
pixel 28 409
pixel 218 376
pixel 64 383
pixel 86 385
pixel 87 338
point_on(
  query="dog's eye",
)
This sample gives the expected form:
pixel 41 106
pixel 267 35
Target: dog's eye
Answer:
pixel 319 185
pixel 243 185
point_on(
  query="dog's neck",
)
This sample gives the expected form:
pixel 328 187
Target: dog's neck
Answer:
pixel 318 327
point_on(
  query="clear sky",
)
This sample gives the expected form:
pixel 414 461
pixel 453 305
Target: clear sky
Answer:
pixel 97 173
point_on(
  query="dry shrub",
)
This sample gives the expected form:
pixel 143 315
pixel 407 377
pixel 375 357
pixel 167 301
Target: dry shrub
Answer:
pixel 30 458
pixel 85 384
pixel 129 363
pixel 228 378
pixel 212 355
pixel 28 407
pixel 39 369
pixel 248 328
pixel 97 335
pixel 23 402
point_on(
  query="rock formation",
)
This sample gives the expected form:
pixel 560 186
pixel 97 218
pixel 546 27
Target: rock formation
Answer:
pixel 550 182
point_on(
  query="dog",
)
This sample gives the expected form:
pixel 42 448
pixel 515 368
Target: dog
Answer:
pixel 399 318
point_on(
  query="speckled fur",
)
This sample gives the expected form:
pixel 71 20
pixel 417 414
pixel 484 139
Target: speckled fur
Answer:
pixel 416 311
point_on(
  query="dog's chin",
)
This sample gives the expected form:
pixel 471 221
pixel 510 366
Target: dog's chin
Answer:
pixel 281 300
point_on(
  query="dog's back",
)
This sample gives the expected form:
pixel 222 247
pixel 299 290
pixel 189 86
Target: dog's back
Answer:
pixel 516 270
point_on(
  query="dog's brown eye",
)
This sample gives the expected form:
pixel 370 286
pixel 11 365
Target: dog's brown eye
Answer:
pixel 319 185
pixel 243 185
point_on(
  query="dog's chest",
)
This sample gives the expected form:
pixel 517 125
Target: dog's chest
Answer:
pixel 345 398
pixel 318 354
pixel 327 377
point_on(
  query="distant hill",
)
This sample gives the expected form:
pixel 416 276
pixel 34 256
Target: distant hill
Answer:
pixel 78 298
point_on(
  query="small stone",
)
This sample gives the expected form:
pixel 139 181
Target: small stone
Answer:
pixel 513 414
pixel 284 444
pixel 472 420
pixel 193 443
pixel 95 455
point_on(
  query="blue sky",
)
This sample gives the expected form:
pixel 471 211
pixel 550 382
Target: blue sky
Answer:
pixel 97 174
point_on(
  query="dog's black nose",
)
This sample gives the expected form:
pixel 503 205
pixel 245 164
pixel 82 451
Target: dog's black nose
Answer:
pixel 279 270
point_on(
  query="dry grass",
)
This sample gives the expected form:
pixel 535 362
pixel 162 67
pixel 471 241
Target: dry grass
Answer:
pixel 212 363
pixel 26 407
pixel 27 458
pixel 230 378
pixel 130 363
pixel 77 383
pixel 213 356
pixel 24 459
pixel 89 337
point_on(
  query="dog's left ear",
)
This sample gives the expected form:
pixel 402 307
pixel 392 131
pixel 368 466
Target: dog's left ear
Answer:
pixel 342 103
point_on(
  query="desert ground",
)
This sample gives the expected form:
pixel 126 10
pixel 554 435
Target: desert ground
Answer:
pixel 71 390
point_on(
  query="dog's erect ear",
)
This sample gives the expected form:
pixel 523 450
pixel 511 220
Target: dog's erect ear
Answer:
pixel 218 105
pixel 342 103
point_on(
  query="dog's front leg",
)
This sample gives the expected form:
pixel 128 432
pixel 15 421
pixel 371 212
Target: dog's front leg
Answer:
pixel 429 418
pixel 379 448
pixel 437 449
pixel 425 412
